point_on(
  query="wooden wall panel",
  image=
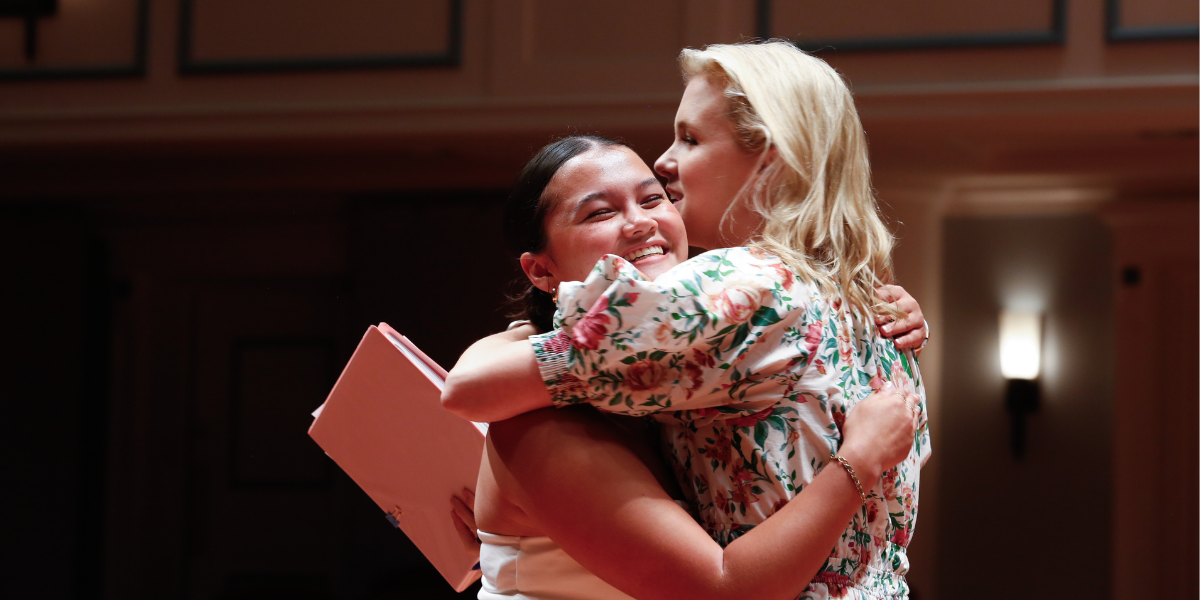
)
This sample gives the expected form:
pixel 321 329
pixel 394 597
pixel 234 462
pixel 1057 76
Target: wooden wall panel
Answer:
pixel 81 39
pixel 882 24
pixel 544 47
pixel 1152 19
pixel 230 35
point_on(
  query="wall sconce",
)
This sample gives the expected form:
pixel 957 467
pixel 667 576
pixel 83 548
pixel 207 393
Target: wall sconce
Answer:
pixel 1020 363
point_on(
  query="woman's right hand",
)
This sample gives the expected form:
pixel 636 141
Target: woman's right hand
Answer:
pixel 878 432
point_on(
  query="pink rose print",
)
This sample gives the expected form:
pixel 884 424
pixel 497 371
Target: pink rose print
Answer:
pixel 720 450
pixel 837 583
pixel 588 332
pixel 751 420
pixel 662 333
pixel 786 276
pixel 693 378
pixel 779 504
pixel 839 417
pixel 812 337
pixel 743 483
pixel 645 375
pixel 844 347
pixel 877 383
pixel 736 304
pixel 760 254
pixel 900 378
pixel 702 359
pixel 558 344
pixel 722 503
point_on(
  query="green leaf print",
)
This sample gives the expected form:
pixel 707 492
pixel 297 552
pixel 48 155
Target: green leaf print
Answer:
pixel 765 316
pixel 742 333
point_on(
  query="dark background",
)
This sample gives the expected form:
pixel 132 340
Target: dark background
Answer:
pixel 204 203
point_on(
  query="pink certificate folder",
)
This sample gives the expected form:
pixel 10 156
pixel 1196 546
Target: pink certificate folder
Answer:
pixel 384 425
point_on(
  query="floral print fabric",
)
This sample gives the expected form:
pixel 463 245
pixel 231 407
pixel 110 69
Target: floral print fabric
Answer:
pixel 752 372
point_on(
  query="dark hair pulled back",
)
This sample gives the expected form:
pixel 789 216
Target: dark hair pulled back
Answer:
pixel 525 216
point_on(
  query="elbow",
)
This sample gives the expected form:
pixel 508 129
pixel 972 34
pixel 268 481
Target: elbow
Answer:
pixel 456 397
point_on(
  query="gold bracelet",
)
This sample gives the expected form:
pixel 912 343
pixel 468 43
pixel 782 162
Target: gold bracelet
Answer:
pixel 853 476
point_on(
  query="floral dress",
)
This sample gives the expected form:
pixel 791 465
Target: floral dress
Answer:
pixel 751 372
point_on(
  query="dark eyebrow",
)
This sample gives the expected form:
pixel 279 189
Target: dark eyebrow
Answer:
pixel 597 195
pixel 649 181
pixel 601 194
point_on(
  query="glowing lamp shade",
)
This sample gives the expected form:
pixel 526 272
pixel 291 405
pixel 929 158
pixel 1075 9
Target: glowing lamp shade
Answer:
pixel 1020 344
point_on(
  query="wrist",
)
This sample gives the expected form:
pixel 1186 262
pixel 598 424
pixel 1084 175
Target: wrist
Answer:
pixel 868 470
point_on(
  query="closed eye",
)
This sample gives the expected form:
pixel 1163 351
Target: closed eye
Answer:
pixel 652 201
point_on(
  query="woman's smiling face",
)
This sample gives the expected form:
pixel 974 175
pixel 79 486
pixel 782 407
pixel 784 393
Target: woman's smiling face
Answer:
pixel 706 168
pixel 606 201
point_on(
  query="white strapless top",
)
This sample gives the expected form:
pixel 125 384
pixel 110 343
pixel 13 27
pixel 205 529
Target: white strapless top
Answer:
pixel 535 568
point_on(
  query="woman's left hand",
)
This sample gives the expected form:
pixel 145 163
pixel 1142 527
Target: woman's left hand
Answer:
pixel 909 331
pixel 462 508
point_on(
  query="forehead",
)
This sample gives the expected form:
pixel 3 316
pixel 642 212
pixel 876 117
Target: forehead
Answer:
pixel 600 169
pixel 702 100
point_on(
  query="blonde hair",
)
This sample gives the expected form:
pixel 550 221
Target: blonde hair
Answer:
pixel 815 198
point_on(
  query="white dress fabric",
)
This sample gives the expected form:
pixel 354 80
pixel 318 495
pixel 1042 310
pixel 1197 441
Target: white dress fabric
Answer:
pixel 535 568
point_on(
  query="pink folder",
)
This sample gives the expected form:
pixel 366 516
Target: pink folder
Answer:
pixel 384 425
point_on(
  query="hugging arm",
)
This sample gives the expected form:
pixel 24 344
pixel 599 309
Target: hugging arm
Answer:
pixel 496 378
pixel 698 319
pixel 573 475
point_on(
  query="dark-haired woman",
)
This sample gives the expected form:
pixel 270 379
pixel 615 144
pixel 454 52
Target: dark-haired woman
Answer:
pixel 566 499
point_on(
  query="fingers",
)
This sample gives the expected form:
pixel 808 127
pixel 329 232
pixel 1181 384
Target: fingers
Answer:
pixel 464 512
pixel 913 339
pixel 465 533
pixel 889 293
pixel 913 403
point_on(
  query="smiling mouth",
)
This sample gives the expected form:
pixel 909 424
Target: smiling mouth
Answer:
pixel 644 252
pixel 674 196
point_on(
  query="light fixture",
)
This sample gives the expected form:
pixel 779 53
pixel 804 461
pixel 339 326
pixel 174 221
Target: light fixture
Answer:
pixel 1020 363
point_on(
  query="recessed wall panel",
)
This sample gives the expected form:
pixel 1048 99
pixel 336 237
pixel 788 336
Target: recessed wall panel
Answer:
pixel 588 47
pixel 603 30
pixel 1154 13
pixel 1152 19
pixel 865 23
pixel 80 35
pixel 276 29
pixel 266 35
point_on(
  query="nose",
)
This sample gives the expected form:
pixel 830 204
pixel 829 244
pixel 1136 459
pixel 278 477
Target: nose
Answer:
pixel 639 224
pixel 665 165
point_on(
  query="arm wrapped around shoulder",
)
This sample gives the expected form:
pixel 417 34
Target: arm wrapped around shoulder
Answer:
pixel 636 346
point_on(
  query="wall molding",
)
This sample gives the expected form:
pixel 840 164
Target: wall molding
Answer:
pixel 189 65
pixel 137 68
pixel 1055 35
pixel 1115 32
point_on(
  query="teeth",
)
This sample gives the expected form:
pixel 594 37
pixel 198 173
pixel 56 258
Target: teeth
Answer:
pixel 632 256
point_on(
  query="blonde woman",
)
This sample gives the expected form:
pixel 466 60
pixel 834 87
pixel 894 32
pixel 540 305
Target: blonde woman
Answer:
pixel 750 355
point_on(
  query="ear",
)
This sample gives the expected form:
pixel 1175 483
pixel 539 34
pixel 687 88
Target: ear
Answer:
pixel 540 271
pixel 769 157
